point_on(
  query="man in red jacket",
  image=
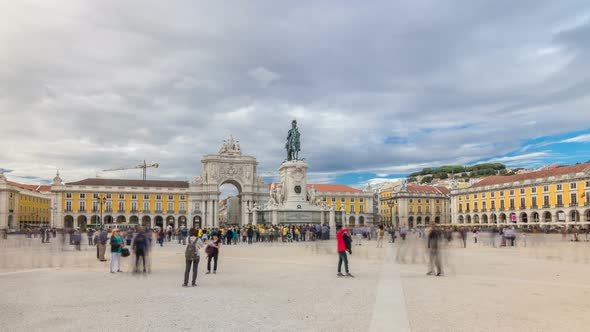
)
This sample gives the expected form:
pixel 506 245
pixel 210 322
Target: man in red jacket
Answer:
pixel 344 243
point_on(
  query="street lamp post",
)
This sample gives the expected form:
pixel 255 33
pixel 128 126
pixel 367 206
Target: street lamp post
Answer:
pixel 101 202
pixel 391 204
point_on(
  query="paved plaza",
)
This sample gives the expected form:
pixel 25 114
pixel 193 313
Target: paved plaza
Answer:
pixel 293 287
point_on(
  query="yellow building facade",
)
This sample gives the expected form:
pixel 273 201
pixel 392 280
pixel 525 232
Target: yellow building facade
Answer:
pixel 24 206
pixel 551 196
pixel 151 203
pixel 354 207
pixel 415 206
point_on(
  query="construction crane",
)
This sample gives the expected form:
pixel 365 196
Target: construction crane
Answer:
pixel 143 166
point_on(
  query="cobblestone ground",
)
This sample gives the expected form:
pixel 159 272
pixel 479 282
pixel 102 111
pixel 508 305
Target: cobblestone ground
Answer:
pixel 288 287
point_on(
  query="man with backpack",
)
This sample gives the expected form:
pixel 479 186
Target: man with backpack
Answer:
pixel 192 257
pixel 344 244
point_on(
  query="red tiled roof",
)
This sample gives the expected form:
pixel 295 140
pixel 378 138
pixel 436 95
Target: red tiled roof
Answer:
pixel 333 188
pixel 427 189
pixel 329 187
pixel 129 183
pixel 550 171
pixel 31 187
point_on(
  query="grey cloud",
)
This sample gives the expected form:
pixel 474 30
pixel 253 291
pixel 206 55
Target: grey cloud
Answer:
pixel 96 85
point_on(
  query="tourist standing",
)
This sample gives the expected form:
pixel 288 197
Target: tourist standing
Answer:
pixel 140 247
pixel 116 248
pixel 434 244
pixel 192 257
pixel 250 233
pixel 343 241
pixel 102 245
pixel 161 236
pixel 90 235
pixel 213 253
pixel 380 237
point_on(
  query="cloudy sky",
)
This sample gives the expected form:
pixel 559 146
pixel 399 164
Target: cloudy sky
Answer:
pixel 379 88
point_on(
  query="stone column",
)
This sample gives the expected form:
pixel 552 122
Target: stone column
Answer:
pixel 214 213
pixel 244 208
pixel 322 217
pixel 207 214
pixel 254 217
pixel 332 217
pixel 275 217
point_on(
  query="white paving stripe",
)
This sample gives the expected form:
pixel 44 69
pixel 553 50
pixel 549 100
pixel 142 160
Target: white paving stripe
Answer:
pixel 389 312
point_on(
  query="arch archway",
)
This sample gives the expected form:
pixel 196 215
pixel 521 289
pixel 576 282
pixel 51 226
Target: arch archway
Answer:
pixel 476 219
pixel 484 219
pixel 146 221
pixel 159 221
pixel 502 218
pixel 427 220
pixel 170 221
pixel 494 218
pixel 134 220
pixel 574 216
pixel 587 214
pixel 560 216
pixel 547 217
pixel 82 222
pixel 512 218
pixel 182 221
pixel 535 217
pixel 108 219
pixel 230 166
pixel 362 220
pixel 523 218
pixel 351 221
pixel 411 222
pixel 437 220
pixel 68 221
pixel 11 223
pixel 121 219
pixel 95 219
pixel 197 223
pixel 468 219
pixel 418 220
pixel 461 219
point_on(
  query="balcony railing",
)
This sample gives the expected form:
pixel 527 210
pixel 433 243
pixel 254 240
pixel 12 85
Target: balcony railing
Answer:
pixel 158 211
pixel 493 209
pixel 82 211
pixel 483 210
pixel 546 206
pixel 511 207
pixel 146 211
pixel 502 209
pixel 522 207
pixel 134 211
pixel 574 204
pixel 460 210
pixel 108 210
pixel 475 210
pixel 587 203
pixel 170 211
pixel 182 211
pixel 121 210
pixel 559 205
pixel 534 206
pixel 467 211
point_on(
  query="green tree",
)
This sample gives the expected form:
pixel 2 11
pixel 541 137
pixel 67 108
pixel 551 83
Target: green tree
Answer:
pixel 426 179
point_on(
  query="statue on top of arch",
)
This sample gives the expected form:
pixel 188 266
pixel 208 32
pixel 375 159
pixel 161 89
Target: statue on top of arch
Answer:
pixel 230 146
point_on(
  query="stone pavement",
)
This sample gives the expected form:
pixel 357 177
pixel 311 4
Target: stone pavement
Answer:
pixel 293 287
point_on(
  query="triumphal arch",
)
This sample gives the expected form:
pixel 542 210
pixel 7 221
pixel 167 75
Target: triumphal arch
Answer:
pixel 229 165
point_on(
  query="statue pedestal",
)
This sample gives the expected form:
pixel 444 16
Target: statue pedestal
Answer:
pixel 294 202
pixel 294 185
